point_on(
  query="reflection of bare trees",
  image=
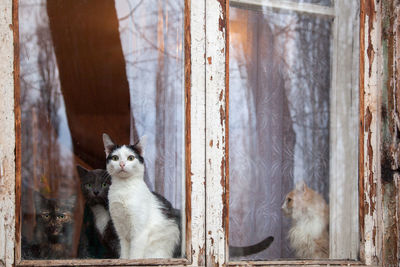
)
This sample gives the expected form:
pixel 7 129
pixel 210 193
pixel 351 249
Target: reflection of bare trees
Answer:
pixel 161 74
pixel 44 167
pixel 155 63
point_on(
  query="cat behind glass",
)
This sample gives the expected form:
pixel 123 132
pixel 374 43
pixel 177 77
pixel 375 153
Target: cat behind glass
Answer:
pixel 53 231
pixel 98 237
pixel 147 224
pixel 309 214
pixel 144 230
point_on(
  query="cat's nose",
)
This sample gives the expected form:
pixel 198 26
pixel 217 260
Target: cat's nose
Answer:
pixel 95 193
pixel 122 164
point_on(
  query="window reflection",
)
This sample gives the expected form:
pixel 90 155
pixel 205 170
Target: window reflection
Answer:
pixel 89 67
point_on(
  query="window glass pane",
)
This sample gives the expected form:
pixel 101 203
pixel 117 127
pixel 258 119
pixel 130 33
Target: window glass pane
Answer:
pixel 293 127
pixel 94 67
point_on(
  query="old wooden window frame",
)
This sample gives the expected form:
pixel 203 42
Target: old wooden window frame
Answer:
pixel 217 136
pixel 192 125
pixel 207 91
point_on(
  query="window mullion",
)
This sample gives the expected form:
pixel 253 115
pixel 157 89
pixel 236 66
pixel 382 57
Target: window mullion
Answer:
pixel 8 120
pixel 196 144
pixel 216 125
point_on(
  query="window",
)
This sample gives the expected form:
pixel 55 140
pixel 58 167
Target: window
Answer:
pixel 88 68
pixel 293 127
pixel 211 35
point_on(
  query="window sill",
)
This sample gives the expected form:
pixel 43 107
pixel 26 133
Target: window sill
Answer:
pixel 103 262
pixel 297 262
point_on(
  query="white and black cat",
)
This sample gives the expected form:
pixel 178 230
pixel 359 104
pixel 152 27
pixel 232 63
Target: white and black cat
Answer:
pixel 143 228
pixel 146 223
pixel 98 237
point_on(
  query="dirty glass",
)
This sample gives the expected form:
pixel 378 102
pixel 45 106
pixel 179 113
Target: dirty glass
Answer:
pixel 87 68
pixel 293 127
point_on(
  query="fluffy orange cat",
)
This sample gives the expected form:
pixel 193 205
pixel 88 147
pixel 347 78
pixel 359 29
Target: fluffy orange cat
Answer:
pixel 309 213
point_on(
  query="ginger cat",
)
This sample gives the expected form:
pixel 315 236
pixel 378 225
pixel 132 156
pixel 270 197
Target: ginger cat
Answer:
pixel 309 214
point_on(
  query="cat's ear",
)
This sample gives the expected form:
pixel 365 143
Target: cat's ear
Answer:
pixel 140 146
pixel 108 144
pixel 81 171
pixel 301 186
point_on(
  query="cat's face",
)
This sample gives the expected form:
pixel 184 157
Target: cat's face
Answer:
pixel 94 185
pixel 55 216
pixel 297 200
pixel 124 161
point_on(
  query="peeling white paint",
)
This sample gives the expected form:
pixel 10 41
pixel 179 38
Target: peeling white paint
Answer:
pixel 7 136
pixel 215 132
pixel 372 90
pixel 197 126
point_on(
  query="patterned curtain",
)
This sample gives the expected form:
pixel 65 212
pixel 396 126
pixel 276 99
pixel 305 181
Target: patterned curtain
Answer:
pixel 279 120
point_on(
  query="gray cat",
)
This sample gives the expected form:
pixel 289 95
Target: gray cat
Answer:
pixel 98 237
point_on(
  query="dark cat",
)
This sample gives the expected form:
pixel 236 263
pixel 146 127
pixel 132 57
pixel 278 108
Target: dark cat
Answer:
pixel 98 237
pixel 53 230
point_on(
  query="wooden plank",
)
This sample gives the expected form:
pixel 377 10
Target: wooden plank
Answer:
pixel 7 134
pixel 390 142
pixel 343 173
pixel 104 262
pixel 186 195
pixel 369 140
pixel 297 263
pixel 216 126
pixel 197 133
pixel 286 5
pixel 17 111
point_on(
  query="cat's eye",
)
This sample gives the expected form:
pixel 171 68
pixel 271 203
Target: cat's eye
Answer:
pixel 88 186
pixel 130 158
pixel 289 200
pixel 104 185
pixel 115 158
pixel 45 215
pixel 60 216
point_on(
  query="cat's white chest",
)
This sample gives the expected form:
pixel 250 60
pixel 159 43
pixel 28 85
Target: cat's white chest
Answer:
pixel 128 207
pixel 101 217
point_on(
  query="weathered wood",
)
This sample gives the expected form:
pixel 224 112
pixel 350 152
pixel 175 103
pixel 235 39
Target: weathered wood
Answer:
pixel 197 132
pixel 186 246
pixel 17 112
pixel 390 131
pixel 343 169
pixel 216 127
pixel 297 263
pixel 379 139
pixel 105 262
pixel 7 134
pixel 369 177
